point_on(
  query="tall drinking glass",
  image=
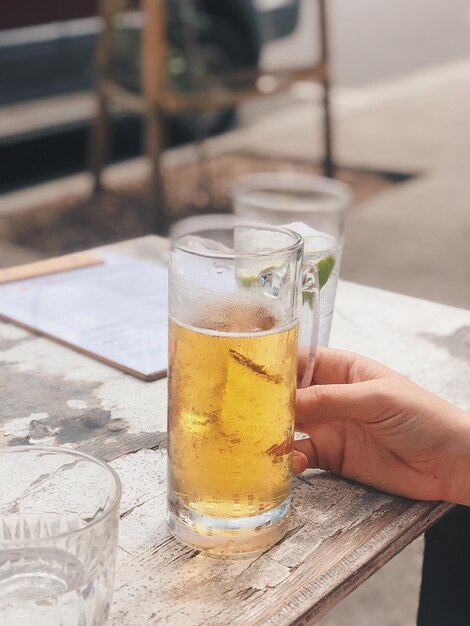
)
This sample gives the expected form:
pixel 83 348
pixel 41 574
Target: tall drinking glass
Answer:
pixel 59 515
pixel 313 206
pixel 234 309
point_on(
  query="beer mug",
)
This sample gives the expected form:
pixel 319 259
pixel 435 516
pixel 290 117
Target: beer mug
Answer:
pixel 235 303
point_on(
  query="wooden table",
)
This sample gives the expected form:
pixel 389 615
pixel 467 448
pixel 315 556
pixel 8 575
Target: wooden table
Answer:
pixel 340 532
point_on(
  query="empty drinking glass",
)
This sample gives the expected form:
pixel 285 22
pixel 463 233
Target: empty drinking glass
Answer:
pixel 59 515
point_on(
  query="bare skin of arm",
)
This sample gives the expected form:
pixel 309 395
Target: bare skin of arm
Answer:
pixel 370 424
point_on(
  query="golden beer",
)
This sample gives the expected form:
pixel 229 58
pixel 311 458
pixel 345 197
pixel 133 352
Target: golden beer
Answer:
pixel 231 412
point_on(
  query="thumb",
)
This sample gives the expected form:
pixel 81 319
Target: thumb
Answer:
pixel 324 402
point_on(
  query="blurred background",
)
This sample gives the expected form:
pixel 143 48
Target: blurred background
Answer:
pixel 399 123
pixel 118 117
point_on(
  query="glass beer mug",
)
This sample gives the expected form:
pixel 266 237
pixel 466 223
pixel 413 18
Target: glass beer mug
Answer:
pixel 235 303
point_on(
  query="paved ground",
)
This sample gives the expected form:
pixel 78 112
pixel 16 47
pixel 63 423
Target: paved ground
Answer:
pixel 372 39
pixel 389 598
pixel 15 255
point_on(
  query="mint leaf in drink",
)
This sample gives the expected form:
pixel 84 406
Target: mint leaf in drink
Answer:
pixel 325 269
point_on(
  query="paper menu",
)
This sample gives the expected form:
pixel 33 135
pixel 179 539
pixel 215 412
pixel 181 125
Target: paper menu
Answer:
pixel 116 311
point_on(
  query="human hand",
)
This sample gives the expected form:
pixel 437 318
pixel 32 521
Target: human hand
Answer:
pixel 368 423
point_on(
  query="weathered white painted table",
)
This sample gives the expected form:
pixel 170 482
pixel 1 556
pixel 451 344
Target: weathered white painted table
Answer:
pixel 340 532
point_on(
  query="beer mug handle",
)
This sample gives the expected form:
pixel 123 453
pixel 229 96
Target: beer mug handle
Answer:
pixel 309 319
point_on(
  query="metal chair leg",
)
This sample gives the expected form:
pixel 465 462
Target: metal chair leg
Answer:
pixel 154 143
pixel 329 166
pixel 99 144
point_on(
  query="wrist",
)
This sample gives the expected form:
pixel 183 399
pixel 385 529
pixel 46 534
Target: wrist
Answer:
pixel 456 486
